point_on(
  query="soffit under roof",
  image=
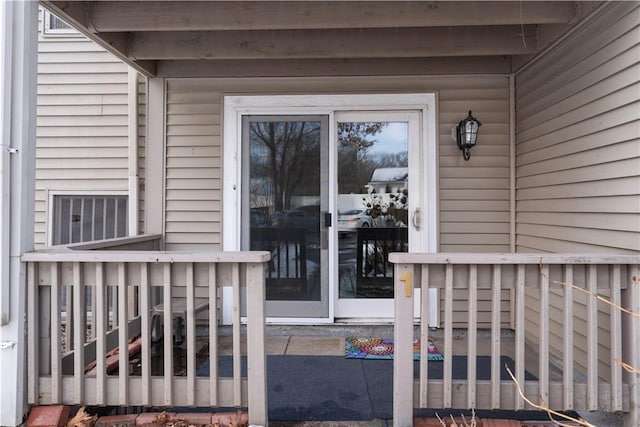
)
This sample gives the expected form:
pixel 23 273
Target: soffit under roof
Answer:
pixel 298 38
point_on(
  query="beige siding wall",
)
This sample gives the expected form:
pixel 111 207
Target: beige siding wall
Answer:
pixel 578 153
pixel 578 136
pixel 82 121
pixel 474 195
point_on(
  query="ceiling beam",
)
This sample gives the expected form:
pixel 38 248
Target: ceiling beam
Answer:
pixel 75 13
pixel 118 16
pixel 334 67
pixel 364 43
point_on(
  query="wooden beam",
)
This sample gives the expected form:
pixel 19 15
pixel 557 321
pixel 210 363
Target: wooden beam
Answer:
pixel 116 16
pixel 334 67
pixel 76 13
pixel 352 43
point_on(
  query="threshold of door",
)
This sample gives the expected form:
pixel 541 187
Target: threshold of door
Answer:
pixel 364 320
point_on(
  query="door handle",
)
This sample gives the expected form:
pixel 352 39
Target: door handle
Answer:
pixel 417 218
pixel 327 219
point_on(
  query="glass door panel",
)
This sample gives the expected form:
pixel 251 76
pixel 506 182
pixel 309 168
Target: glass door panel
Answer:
pixel 284 198
pixel 373 176
pixel 378 172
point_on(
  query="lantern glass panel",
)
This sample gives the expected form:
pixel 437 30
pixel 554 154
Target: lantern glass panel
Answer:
pixel 470 133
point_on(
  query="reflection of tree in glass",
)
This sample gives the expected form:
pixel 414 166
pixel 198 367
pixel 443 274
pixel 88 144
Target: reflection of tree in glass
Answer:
pixel 285 157
pixel 355 167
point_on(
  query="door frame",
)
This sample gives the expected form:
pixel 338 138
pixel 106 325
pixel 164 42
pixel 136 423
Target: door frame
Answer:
pixel 236 106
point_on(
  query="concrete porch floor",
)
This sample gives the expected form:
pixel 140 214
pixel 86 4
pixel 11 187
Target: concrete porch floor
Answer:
pixel 328 340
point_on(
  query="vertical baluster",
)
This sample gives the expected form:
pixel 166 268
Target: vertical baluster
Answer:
pixel 114 307
pixel 33 333
pixel 145 355
pixel 631 341
pixel 495 335
pixel 79 333
pixel 132 302
pixel 167 334
pixel 213 335
pixel 472 332
pixel 592 339
pixel 123 336
pixel 544 336
pixel 567 375
pixel 520 332
pixel 616 342
pixel 256 357
pixel 93 313
pixel 69 320
pixel 424 337
pixel 70 236
pixel 105 215
pixel 287 258
pixel 191 336
pixel 101 322
pixel 237 355
pixel 93 219
pixel 448 335
pixel 56 368
pixel 82 221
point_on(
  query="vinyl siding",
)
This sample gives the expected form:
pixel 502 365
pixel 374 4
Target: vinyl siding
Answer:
pixel 81 121
pixel 578 156
pixel 474 195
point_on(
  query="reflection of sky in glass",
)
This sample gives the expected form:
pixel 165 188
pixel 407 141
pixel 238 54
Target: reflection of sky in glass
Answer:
pixel 392 139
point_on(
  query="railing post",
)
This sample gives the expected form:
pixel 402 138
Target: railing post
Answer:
pixel 403 347
pixel 256 358
pixel 543 318
pixel 631 344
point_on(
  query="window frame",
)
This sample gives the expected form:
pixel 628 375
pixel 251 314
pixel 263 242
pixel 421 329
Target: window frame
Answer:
pixel 47 31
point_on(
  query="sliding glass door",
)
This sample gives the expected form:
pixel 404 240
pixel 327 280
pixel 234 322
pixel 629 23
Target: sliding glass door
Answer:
pixel 285 202
pixel 378 204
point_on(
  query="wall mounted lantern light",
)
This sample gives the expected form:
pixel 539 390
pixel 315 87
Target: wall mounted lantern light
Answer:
pixel 467 134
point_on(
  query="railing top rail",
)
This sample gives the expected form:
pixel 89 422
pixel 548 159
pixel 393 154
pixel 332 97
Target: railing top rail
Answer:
pixel 147 256
pixel 108 243
pixel 508 258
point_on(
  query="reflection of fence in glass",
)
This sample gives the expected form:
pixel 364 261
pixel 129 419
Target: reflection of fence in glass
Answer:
pixel 290 274
pixel 374 272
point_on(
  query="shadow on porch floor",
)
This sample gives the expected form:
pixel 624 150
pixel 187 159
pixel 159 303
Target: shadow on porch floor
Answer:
pixel 350 390
pixel 328 340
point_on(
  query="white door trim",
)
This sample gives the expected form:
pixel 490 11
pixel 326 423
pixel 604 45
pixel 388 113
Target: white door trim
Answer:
pixel 237 106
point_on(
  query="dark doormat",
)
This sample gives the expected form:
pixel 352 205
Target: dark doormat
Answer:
pixel 332 388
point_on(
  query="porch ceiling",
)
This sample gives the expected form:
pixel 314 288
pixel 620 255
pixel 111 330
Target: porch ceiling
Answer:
pixel 298 38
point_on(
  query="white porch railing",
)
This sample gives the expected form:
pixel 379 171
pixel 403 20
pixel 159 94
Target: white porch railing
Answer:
pixel 110 289
pixel 592 337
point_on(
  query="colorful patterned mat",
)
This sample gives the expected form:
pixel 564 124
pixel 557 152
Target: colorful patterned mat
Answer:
pixel 382 348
